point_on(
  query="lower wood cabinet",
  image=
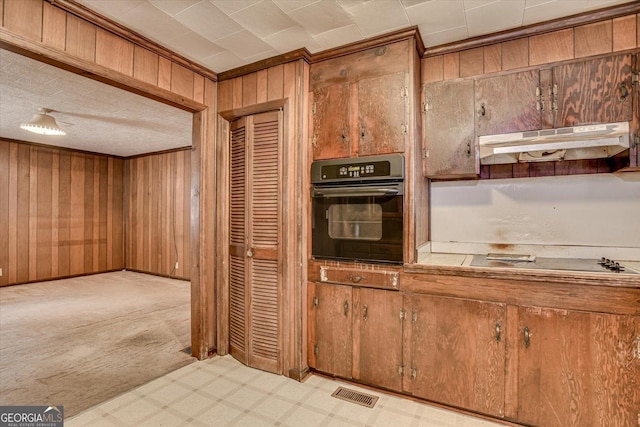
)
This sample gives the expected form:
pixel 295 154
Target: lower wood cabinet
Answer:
pixel 455 352
pixel 356 333
pixel 377 337
pixel 577 368
pixel 331 329
pixel 532 365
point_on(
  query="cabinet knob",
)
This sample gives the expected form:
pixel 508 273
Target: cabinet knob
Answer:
pixel 364 311
pixel 624 91
pixel 346 308
pixel 483 110
pixel 468 149
pixel 250 253
pixel 498 332
pixel 356 279
pixel 527 337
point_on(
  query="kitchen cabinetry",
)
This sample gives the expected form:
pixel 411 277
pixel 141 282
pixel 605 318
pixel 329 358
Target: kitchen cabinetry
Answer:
pixel 508 103
pixel 356 333
pixel 596 90
pixel 455 352
pixel 449 123
pixel 360 118
pixel 377 343
pixel 577 368
pixel 332 325
pixel 593 91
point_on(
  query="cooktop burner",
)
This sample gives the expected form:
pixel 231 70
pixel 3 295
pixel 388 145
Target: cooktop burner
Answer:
pixel 603 265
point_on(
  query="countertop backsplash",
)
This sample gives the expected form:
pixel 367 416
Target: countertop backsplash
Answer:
pixel 579 216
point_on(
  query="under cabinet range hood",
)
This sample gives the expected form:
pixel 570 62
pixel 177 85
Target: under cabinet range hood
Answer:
pixel 570 143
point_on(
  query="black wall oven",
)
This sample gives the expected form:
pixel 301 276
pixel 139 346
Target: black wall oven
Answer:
pixel 357 209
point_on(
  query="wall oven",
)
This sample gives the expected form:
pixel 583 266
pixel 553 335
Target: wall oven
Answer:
pixel 357 209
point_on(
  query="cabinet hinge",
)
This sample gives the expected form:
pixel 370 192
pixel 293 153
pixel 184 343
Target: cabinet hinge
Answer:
pixel 315 301
pixel 313 108
pixel 636 140
pixel 404 129
pixel 636 351
pixel 401 370
pixel 404 92
pixel 635 78
pixel 414 373
pixel 314 140
pixel 403 314
pixel 414 316
pixel 425 153
pixel 315 349
pixel 426 107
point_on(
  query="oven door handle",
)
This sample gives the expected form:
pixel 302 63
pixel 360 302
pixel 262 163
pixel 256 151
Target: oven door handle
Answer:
pixel 355 192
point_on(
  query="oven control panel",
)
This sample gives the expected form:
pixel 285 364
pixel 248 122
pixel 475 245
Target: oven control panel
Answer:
pixel 358 170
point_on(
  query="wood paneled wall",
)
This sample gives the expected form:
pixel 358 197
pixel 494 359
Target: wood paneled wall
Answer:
pixel 158 206
pixel 61 213
pixel 45 23
pixel 611 35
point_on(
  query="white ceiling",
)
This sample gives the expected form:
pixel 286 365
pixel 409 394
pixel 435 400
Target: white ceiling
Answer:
pixel 96 117
pixel 225 34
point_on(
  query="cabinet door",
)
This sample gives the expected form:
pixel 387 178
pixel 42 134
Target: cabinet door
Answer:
pixel 577 368
pixel 377 346
pixel 331 319
pixel 449 130
pixel 508 103
pixel 330 116
pixel 593 91
pixel 382 115
pixel 457 352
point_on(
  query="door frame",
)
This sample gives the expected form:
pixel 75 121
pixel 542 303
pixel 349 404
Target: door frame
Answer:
pixel 203 168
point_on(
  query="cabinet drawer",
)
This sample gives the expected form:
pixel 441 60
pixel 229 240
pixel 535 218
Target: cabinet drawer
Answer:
pixel 366 278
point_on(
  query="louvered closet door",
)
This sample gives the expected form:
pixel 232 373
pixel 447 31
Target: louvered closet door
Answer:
pixel 255 234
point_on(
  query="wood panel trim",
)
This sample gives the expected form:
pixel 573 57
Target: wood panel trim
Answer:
pixel 236 113
pixel 292 56
pixel 113 27
pixel 536 29
pixel 73 150
pixel 389 38
pixel 40 52
pixel 154 153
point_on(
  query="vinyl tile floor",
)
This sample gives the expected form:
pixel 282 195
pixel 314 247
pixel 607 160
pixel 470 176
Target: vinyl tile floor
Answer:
pixel 223 392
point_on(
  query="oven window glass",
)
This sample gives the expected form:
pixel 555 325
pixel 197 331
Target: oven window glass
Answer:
pixel 355 221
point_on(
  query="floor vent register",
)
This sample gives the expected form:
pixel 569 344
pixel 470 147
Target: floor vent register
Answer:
pixel 357 397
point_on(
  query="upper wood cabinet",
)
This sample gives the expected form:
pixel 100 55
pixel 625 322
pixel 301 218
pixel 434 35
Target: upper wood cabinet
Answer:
pixel 597 90
pixel 508 103
pixel 331 121
pixel 360 118
pixel 382 114
pixel 593 91
pixel 449 144
pixel 577 368
pixel 455 352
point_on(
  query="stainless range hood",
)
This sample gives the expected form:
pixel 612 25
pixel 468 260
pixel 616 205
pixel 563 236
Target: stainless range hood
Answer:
pixel 571 143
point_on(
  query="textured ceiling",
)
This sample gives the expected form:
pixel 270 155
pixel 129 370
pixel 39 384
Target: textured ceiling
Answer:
pixel 225 34
pixel 97 117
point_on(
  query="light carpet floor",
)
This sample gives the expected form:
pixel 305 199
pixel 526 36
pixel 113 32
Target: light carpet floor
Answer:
pixel 81 341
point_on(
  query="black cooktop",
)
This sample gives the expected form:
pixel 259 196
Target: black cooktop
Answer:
pixel 592 265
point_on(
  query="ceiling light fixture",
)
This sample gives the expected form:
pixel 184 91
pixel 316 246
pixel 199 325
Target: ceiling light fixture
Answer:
pixel 43 124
